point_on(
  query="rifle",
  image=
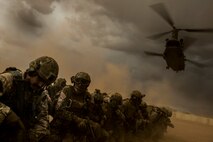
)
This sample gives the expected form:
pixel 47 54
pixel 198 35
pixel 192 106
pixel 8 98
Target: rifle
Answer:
pixel 91 130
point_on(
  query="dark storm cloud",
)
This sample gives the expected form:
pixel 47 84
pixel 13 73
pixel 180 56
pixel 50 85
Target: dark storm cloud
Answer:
pixel 29 18
pixel 29 14
pixel 107 40
pixel 24 18
pixel 72 34
pixel 193 87
pixel 42 6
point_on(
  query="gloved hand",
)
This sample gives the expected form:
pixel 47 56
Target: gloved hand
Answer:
pixel 35 137
pixel 142 122
pixel 32 137
pixel 83 124
pixel 120 114
pixel 4 111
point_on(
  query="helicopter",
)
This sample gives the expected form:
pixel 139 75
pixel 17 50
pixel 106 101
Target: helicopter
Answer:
pixel 175 46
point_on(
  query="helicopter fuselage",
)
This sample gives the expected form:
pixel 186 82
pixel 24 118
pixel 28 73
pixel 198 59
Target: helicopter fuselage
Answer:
pixel 174 52
pixel 174 55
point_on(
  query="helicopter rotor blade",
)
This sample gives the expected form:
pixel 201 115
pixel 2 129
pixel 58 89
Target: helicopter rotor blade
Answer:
pixel 156 36
pixel 188 41
pixel 153 54
pixel 198 30
pixel 200 65
pixel 163 12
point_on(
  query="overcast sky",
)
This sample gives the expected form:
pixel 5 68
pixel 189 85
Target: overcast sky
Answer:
pixel 106 38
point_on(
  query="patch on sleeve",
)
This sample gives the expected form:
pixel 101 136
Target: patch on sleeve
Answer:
pixel 60 100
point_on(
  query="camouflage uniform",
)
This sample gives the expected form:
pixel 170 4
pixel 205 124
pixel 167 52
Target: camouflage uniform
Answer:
pixel 167 115
pixel 67 119
pixel 115 119
pixel 54 91
pixel 26 98
pixel 71 118
pixel 97 112
pixel 132 109
pixel 10 125
pixel 159 120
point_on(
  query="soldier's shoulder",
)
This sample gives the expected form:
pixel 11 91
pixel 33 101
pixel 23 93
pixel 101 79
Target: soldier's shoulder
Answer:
pixel 6 82
pixel 67 89
pixel 126 102
pixel 88 94
pixel 43 97
pixel 143 104
pixel 16 73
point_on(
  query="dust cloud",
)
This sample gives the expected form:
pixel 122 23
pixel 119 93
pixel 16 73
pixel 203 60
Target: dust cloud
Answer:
pixel 186 131
pixel 107 40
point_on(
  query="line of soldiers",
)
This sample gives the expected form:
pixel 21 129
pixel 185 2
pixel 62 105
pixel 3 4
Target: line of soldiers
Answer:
pixel 35 110
pixel 83 117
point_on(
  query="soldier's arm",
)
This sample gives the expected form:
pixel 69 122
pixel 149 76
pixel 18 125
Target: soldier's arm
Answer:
pixel 6 83
pixel 120 114
pixel 4 111
pixel 7 77
pixel 8 117
pixel 61 98
pixel 41 126
pixel 66 115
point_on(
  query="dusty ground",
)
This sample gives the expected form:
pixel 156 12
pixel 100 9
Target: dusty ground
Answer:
pixel 186 131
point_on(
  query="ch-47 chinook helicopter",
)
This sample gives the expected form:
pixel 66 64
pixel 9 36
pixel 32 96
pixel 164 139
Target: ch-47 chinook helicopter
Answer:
pixel 175 47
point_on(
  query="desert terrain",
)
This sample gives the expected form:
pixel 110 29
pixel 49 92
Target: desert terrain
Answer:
pixel 188 131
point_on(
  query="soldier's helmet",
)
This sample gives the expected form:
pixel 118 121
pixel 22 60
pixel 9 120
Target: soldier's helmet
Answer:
pixel 46 67
pixel 116 100
pixel 136 96
pixel 98 97
pixel 81 78
pixel 166 111
pixel 81 81
pixel 61 82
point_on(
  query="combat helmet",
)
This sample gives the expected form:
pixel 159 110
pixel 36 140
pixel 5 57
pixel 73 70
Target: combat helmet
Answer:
pixel 82 78
pixel 46 67
pixel 61 82
pixel 136 97
pixel 116 99
pixel 166 111
pixel 98 97
pixel 137 94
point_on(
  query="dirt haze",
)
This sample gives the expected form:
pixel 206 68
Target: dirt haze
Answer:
pixel 186 131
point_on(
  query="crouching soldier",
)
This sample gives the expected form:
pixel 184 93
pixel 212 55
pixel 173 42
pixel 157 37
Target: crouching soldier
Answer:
pixel 24 94
pixel 10 125
pixel 71 121
pixel 159 120
pixel 115 119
